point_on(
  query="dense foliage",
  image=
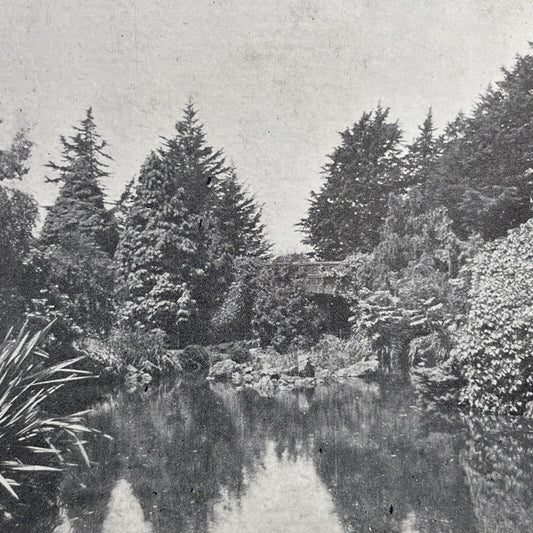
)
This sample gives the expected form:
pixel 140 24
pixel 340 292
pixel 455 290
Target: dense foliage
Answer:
pixel 406 293
pixel 233 319
pixel 283 313
pixel 345 215
pixel 496 346
pixel 484 174
pixel 188 219
pixel 72 284
pixel 18 215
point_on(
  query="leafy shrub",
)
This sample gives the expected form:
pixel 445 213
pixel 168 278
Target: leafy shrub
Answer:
pixel 233 320
pixel 409 292
pixel 136 347
pixel 430 350
pixel 496 345
pixel 333 353
pixel 72 284
pixel 283 314
pixel 194 358
pixel 236 351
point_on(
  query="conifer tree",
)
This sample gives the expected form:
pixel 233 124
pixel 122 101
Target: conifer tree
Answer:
pixel 347 212
pixel 79 209
pixel 197 169
pixel 156 256
pixel 238 219
pixel 485 173
pixel 77 241
pixel 188 218
pixel 237 233
pixel 422 154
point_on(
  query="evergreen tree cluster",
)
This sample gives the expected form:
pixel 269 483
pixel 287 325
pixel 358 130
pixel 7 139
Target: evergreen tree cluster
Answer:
pixel 159 260
pixel 479 169
pixel 189 220
pixel 408 219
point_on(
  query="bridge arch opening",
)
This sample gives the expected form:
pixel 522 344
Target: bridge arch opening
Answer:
pixel 336 313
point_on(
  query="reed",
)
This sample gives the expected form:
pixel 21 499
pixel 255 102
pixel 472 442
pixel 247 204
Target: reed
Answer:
pixel 31 440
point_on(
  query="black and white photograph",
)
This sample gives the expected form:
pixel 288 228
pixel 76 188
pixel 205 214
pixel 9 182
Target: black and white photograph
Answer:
pixel 266 266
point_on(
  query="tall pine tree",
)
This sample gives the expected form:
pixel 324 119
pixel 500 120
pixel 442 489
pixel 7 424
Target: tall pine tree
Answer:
pixel 197 169
pixel 77 241
pixel 79 209
pixel 485 173
pixel 188 219
pixel 347 212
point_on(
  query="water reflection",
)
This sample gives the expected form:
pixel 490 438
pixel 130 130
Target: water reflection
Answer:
pixel 498 462
pixel 124 511
pixel 357 457
pixel 285 495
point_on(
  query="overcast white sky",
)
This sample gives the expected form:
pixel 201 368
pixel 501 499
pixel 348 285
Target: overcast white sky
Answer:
pixel 274 81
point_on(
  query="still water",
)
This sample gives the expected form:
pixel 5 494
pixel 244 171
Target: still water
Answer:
pixel 354 457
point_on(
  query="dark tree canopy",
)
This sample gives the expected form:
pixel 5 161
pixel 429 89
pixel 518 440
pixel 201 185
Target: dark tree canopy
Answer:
pixel 238 219
pixel 79 207
pixel 484 174
pixel 18 215
pixel 346 213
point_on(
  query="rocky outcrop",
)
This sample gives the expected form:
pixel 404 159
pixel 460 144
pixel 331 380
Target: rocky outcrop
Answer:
pixel 361 369
pixel 306 369
pixel 267 379
pixel 223 370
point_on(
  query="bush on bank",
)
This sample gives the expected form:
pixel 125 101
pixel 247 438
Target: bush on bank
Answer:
pixel 283 315
pixel 495 348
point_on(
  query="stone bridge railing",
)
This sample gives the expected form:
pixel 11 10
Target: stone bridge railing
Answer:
pixel 317 278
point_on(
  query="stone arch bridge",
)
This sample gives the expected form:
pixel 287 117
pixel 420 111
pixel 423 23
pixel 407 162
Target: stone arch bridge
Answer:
pixel 318 280
pixel 317 276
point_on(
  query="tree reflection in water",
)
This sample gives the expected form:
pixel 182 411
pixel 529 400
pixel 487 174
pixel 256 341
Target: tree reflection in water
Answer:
pixel 196 457
pixel 498 462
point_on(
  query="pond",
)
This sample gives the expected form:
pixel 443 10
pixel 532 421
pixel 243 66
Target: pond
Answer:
pixel 352 457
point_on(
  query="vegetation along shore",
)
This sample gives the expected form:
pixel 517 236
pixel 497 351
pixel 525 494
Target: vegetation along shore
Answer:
pixel 421 272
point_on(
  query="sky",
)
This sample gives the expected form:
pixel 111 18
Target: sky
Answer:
pixel 273 81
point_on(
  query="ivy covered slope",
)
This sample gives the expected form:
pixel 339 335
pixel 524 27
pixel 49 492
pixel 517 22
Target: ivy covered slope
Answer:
pixel 496 347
